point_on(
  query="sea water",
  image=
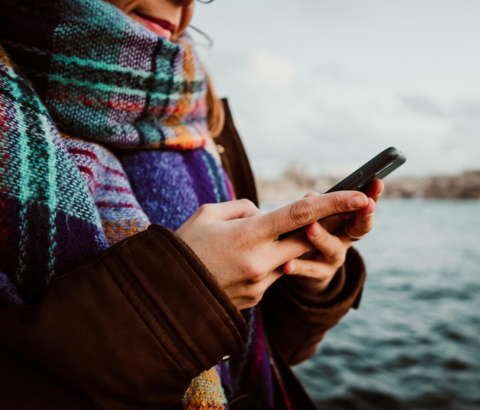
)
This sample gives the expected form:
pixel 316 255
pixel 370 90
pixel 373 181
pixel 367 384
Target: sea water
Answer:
pixel 415 341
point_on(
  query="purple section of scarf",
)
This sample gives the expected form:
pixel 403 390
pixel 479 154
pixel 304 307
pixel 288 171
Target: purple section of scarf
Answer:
pixel 197 167
pixel 250 372
pixel 163 186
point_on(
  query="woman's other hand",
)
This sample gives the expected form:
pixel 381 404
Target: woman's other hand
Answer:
pixel 239 245
pixel 315 269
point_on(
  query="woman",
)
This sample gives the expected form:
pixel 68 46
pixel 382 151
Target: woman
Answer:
pixel 106 150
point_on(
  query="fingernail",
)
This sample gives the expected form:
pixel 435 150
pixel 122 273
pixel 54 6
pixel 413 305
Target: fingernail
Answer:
pixel 359 201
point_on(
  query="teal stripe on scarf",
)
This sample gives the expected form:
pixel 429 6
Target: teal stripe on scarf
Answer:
pixel 219 186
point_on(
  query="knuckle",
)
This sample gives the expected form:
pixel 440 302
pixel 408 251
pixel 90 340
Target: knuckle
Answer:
pixel 256 298
pixel 338 254
pixel 249 207
pixel 308 246
pixel 301 213
pixel 205 209
pixel 247 203
pixel 312 272
pixel 338 203
pixel 251 272
pixel 320 235
pixel 255 275
pixel 253 300
pixel 323 275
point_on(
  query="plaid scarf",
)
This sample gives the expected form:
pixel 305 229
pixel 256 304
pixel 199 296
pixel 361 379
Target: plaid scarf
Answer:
pixel 105 78
pixel 110 139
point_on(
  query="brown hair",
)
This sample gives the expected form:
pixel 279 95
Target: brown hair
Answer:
pixel 215 111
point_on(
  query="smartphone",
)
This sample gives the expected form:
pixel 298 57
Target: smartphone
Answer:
pixel 377 168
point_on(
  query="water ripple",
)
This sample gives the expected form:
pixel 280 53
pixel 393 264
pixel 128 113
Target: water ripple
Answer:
pixel 415 342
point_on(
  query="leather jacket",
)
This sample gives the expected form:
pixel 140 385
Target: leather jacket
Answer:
pixel 121 332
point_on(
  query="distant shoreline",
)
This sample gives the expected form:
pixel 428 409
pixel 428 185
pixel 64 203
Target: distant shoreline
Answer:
pixel 295 184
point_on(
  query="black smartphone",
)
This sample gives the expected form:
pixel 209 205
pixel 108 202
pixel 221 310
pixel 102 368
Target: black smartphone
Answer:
pixel 377 168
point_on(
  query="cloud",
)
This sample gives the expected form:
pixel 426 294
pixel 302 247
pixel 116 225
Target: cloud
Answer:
pixel 330 121
pixel 469 110
pixel 421 105
pixel 334 72
pixel 269 71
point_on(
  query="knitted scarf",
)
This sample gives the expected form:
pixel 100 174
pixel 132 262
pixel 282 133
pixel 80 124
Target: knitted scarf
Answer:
pixel 111 138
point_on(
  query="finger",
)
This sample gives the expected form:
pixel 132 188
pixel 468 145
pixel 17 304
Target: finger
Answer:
pixel 308 210
pixel 363 221
pixel 309 269
pixel 270 279
pixel 226 211
pixel 329 245
pixel 334 222
pixel 289 248
pixel 374 189
pixel 255 290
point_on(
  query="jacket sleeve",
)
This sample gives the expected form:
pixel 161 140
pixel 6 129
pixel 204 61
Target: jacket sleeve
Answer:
pixel 129 330
pixel 296 322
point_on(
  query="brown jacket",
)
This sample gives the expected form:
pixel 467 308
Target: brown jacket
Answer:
pixel 130 329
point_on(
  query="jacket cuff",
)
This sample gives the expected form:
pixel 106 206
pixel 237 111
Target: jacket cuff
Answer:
pixel 347 281
pixel 328 308
pixel 183 305
pixel 321 299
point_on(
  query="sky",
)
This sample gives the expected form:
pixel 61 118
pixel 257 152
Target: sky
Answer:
pixel 329 84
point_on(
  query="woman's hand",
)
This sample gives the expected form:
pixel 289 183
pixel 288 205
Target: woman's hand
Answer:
pixel 239 245
pixel 315 269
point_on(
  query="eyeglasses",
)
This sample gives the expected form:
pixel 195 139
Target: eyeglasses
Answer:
pixel 205 1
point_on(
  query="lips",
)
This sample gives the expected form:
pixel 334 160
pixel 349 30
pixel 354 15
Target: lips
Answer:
pixel 161 27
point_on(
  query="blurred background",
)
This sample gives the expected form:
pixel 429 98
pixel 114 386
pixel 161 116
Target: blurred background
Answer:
pixel 317 88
